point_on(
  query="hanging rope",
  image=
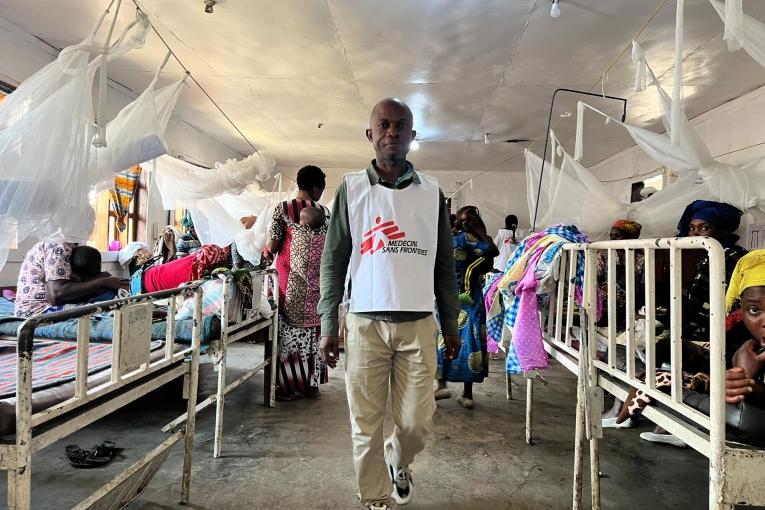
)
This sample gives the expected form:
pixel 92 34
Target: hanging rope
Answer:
pixel 199 85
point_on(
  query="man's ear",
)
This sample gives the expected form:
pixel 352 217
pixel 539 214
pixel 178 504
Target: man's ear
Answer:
pixel 414 134
pixel 369 135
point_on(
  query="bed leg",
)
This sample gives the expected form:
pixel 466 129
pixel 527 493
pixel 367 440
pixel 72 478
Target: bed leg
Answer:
pixel 221 403
pixel 578 449
pixel 595 472
pixel 269 374
pixel 508 387
pixel 190 426
pixel 529 402
pixel 11 499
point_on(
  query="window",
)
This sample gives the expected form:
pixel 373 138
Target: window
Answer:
pixel 106 219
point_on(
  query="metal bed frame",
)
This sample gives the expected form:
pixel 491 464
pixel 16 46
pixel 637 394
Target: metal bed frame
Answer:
pixel 133 375
pixel 735 470
pixel 244 323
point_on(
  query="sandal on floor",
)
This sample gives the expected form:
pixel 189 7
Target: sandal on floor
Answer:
pixel 77 456
pixel 610 423
pixel 467 403
pixel 663 439
pixel 102 453
pixel 442 394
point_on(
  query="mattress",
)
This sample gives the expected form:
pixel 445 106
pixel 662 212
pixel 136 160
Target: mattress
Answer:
pixel 53 375
pixel 101 327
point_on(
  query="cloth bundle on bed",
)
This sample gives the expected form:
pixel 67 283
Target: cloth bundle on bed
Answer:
pixel 101 327
pixel 512 305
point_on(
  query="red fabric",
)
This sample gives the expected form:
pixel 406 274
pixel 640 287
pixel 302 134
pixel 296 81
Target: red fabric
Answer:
pixel 733 319
pixel 186 269
pixel 170 275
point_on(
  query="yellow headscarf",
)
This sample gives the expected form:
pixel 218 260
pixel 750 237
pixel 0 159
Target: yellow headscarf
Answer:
pixel 749 272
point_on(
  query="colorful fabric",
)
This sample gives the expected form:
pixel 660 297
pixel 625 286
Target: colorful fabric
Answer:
pixel 185 269
pixel 187 245
pixel 125 184
pixel 300 365
pixel 527 336
pixel 298 262
pixel 490 291
pixel 631 228
pixel 47 261
pixel 472 363
pixel 749 272
pixel 54 363
pixel 720 214
pixel 541 248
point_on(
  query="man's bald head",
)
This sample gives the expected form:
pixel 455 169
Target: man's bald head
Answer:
pixel 391 129
pixel 389 102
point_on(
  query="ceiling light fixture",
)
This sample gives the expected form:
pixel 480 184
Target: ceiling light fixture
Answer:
pixel 209 4
pixel 414 145
pixel 555 10
pixel 486 138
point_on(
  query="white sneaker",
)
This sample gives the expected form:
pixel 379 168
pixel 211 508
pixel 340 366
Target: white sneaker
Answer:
pixel 610 423
pixel 403 484
pixel 381 506
pixel 663 438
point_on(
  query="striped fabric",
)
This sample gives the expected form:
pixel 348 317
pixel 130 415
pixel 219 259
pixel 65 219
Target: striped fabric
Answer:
pixel 125 184
pixel 53 363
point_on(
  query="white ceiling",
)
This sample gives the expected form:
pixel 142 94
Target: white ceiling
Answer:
pixel 279 69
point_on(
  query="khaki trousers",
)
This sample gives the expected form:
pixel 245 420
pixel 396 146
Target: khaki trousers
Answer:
pixel 379 355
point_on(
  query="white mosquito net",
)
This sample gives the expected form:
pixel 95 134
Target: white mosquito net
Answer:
pixel 46 129
pixel 217 198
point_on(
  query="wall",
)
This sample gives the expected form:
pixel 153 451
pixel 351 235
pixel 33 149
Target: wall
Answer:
pixel 23 55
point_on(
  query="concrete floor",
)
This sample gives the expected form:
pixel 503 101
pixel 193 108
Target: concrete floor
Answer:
pixel 298 455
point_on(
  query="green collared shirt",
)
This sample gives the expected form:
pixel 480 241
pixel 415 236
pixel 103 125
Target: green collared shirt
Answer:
pixel 337 255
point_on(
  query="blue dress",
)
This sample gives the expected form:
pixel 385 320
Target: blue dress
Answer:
pixel 472 364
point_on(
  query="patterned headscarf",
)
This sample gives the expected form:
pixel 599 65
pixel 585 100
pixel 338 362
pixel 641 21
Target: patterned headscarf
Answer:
pixel 749 272
pixel 631 228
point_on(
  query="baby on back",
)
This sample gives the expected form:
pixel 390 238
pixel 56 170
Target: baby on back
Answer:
pixel 312 217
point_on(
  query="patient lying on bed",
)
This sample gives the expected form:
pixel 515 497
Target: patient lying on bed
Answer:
pixel 56 275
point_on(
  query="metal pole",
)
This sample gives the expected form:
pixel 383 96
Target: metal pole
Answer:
pixel 547 138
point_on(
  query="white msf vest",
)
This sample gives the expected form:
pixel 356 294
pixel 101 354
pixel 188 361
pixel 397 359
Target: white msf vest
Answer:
pixel 394 235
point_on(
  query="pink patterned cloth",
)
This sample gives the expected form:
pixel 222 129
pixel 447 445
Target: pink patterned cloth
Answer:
pixel 492 344
pixel 45 262
pixel 527 336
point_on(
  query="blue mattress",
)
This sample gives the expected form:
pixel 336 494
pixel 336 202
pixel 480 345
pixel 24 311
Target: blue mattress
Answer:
pixel 101 327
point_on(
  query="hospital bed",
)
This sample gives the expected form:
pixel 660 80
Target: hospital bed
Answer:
pixel 131 366
pixel 241 319
pixel 735 470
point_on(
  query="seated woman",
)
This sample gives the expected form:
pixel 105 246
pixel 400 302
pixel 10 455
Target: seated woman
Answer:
pixel 189 242
pixel 620 231
pixel 744 357
pixel 56 275
pixel 718 221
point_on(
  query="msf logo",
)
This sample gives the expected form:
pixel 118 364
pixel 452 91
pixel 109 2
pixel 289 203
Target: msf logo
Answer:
pixel 373 238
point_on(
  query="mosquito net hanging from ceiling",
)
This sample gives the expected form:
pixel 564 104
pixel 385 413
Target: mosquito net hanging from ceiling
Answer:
pixel 46 129
pixel 217 198
pixel 562 195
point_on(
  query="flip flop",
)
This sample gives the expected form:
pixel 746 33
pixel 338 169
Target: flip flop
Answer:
pixel 663 439
pixel 77 456
pixel 467 403
pixel 101 454
pixel 442 394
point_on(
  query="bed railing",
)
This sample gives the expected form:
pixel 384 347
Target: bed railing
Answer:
pixel 132 374
pixel 730 468
pixel 239 322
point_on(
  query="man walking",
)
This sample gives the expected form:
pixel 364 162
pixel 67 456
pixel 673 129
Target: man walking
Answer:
pixel 390 228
